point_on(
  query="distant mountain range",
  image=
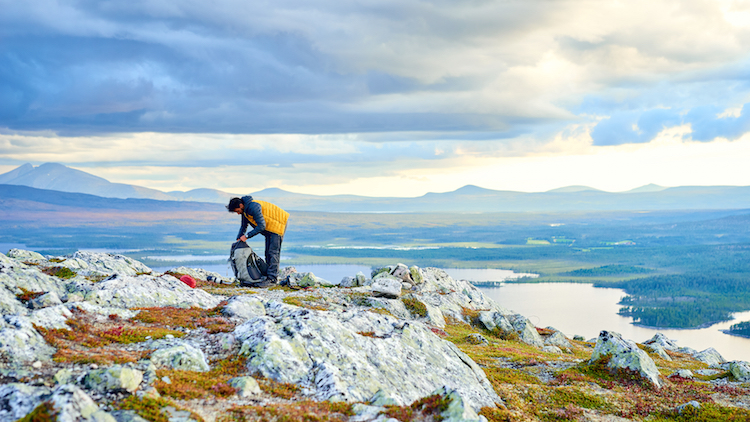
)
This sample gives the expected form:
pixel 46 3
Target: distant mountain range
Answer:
pixel 58 177
pixel 469 198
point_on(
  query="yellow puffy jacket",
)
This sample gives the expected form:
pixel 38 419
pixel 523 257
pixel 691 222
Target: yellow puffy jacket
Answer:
pixel 275 217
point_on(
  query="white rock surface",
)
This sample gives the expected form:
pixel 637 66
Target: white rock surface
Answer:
pixel 26 256
pixel 20 343
pixel 74 405
pixel 15 275
pixel 625 354
pixel 99 263
pixel 244 307
pixel 17 400
pixel 324 352
pixel 148 291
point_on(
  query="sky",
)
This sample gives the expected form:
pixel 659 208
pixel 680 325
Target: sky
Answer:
pixel 379 98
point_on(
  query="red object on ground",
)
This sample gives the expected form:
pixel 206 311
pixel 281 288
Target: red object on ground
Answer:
pixel 190 281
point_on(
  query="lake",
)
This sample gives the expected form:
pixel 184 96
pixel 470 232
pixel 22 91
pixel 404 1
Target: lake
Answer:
pixel 586 310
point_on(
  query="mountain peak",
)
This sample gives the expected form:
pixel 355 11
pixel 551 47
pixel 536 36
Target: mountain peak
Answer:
pixel 651 187
pixel 573 188
pixel 16 173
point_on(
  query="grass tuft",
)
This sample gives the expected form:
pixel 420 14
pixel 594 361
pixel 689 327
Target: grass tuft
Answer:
pixel 415 307
pixel 45 412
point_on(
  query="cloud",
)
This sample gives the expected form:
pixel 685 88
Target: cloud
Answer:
pixel 327 92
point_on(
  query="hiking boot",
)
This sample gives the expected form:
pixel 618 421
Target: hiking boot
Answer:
pixel 264 282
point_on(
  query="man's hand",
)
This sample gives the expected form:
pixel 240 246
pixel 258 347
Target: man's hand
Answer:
pixel 243 238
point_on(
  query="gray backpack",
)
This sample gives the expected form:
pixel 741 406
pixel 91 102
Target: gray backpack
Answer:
pixel 248 267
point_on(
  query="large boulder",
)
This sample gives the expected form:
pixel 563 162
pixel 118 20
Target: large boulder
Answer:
pixel 184 357
pixel 710 356
pixel 148 291
pixel 386 286
pixel 740 370
pixel 663 341
pixel 558 339
pixel 45 301
pixel 115 378
pixel 624 354
pixel 351 355
pixel 527 333
pixel 515 324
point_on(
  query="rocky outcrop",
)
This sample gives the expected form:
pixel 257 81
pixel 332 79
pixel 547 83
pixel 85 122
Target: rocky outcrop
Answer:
pixel 327 353
pixel 342 343
pixel 453 296
pixel 619 353
pixel 102 264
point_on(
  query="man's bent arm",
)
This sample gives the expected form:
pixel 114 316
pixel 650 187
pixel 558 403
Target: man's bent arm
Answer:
pixel 254 210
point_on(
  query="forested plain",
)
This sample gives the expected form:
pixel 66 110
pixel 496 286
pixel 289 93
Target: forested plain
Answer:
pixel 680 268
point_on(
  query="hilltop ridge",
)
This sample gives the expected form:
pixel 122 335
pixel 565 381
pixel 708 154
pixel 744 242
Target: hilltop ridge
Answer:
pixel 101 337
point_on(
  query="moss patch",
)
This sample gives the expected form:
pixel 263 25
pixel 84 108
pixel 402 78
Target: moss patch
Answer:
pixel 306 411
pixel 60 272
pixel 45 412
pixel 151 408
pixel 86 334
pixel 309 302
pixel 185 385
pixel 100 356
pixel 211 319
pixel 415 307
pixel 279 389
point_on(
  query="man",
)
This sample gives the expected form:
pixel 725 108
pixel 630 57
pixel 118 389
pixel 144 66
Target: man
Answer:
pixel 268 220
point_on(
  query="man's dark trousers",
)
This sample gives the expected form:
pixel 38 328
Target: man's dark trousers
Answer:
pixel 273 253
